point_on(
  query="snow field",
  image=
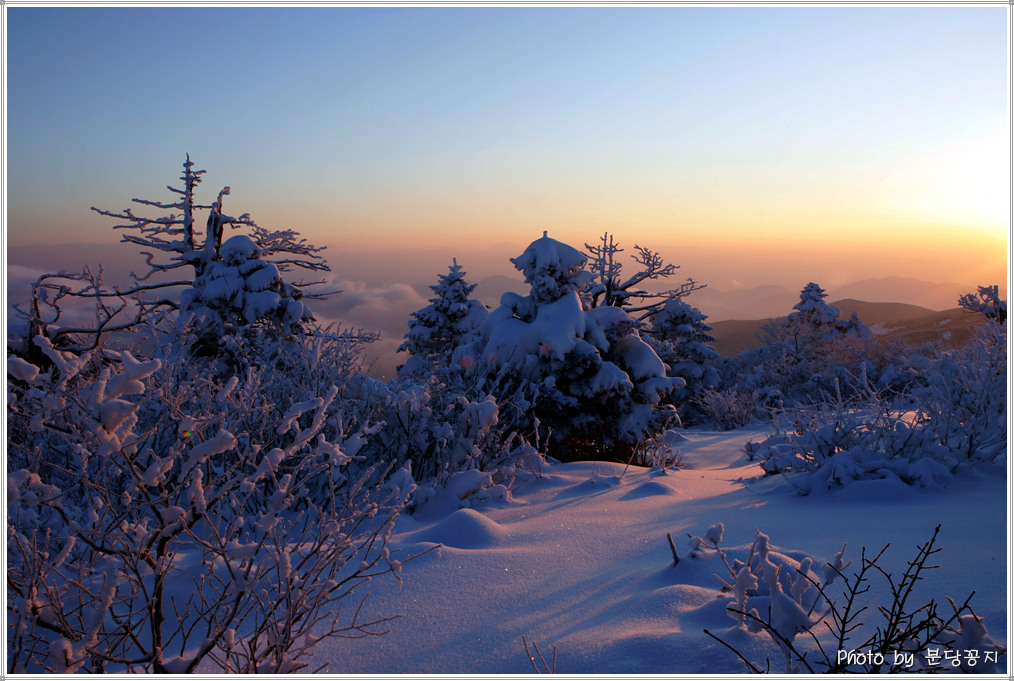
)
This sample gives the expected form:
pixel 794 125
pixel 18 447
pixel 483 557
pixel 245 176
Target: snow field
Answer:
pixel 578 559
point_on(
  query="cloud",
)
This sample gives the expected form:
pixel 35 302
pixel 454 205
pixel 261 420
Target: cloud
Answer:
pixel 19 282
pixel 385 308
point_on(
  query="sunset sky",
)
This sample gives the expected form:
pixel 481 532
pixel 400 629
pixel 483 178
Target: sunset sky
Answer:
pixel 750 145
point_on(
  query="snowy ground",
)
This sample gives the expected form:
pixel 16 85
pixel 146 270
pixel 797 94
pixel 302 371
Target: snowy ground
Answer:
pixel 578 560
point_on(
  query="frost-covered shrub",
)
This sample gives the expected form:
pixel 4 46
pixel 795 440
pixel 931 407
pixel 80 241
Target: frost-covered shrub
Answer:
pixel 986 301
pixel 964 399
pixel 727 409
pixel 660 451
pixel 580 379
pixel 956 418
pixel 787 590
pixel 784 596
pixel 161 519
pixel 437 433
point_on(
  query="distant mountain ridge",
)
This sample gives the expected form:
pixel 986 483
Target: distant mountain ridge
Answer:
pixel 876 312
pixel 935 296
pixel 776 301
pixel 890 323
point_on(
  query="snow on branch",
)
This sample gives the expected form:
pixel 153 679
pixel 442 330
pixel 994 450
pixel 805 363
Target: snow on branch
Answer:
pixel 609 289
pixel 176 234
pixel 987 302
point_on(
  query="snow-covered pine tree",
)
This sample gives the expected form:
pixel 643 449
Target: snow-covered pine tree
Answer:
pixel 813 318
pixel 815 325
pixel 233 285
pixel 680 336
pixel 809 354
pixel 448 321
pixel 579 378
pixel 178 241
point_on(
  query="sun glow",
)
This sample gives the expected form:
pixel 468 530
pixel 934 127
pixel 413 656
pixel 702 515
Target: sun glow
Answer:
pixel 964 182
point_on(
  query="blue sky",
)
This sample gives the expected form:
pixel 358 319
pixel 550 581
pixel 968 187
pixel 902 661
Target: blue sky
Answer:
pixel 385 128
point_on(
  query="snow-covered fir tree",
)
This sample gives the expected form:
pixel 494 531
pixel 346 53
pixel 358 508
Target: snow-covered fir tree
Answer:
pixel 581 378
pixel 815 325
pixel 232 282
pixel 240 291
pixel 680 336
pixel 181 244
pixel 219 285
pixel 448 321
pixel 807 354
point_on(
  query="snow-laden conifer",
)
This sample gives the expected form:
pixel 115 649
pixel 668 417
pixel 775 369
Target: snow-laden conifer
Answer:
pixel 448 321
pixel 578 376
pixel 219 285
pixel 680 336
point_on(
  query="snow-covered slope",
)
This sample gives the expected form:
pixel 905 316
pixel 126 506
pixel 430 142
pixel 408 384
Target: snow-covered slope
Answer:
pixel 578 560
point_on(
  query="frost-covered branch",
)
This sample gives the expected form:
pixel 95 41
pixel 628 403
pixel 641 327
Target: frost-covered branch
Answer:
pixel 160 517
pixel 782 598
pixel 177 236
pixel 609 289
pixel 986 302
pixel 71 295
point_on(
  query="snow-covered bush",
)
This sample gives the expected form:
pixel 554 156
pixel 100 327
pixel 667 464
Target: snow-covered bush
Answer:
pixel 163 520
pixel 438 433
pixel 581 379
pixel 662 450
pixel 783 597
pixel 964 400
pixel 957 417
pixel 986 301
pixel 787 590
pixel 448 321
pixel 726 409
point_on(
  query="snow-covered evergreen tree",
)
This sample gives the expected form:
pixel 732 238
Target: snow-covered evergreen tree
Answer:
pixel 807 355
pixel 815 325
pixel 581 378
pixel 240 291
pixel 176 237
pixel 233 283
pixel 680 336
pixel 448 321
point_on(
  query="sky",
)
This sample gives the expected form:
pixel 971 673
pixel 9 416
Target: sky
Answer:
pixel 750 145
